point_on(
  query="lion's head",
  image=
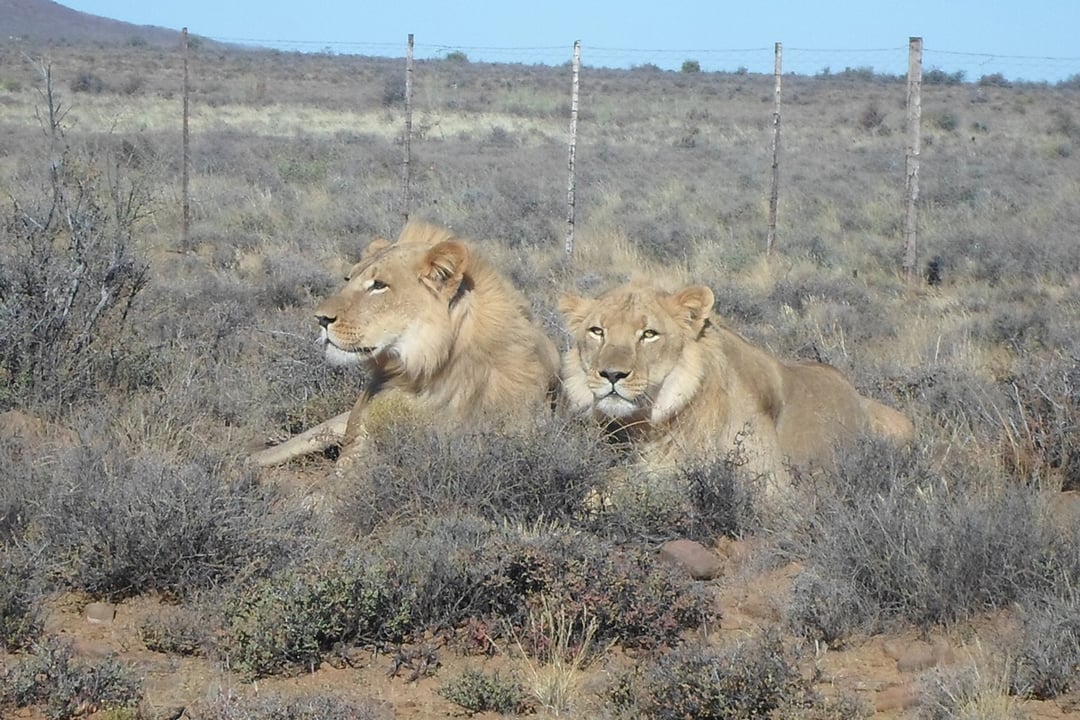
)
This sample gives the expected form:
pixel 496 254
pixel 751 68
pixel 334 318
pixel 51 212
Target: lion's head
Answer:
pixel 437 330
pixel 635 354
pixel 395 306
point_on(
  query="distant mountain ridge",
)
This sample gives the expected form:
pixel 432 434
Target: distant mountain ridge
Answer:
pixel 47 21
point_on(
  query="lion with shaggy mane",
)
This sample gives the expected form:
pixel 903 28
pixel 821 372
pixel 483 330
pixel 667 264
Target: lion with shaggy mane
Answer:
pixel 436 329
pixel 682 386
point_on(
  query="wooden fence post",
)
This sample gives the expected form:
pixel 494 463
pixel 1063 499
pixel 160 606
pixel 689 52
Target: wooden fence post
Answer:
pixel 774 194
pixel 573 150
pixel 911 160
pixel 406 169
pixel 185 172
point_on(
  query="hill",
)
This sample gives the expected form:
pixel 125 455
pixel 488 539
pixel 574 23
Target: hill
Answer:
pixel 47 21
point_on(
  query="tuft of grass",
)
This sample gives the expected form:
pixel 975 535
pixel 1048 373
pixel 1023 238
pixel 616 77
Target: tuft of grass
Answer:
pixel 559 647
pixel 979 690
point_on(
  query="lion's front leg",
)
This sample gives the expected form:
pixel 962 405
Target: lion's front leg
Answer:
pixel 392 410
pixel 313 440
pixel 354 439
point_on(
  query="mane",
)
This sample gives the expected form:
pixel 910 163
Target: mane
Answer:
pixel 493 332
pixel 424 233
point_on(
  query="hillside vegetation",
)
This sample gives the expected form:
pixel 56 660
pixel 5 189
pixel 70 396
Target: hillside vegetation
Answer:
pixel 146 365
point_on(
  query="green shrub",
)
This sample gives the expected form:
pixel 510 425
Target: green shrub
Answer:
pixel 872 119
pixel 751 679
pixel 66 688
pixel 937 76
pixel 942 120
pixel 636 599
pixel 393 93
pixel 828 609
pixel 445 572
pixel 994 80
pixel 691 66
pixel 477 691
pixel 284 623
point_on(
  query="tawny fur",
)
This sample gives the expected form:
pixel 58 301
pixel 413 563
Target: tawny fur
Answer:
pixel 435 326
pixel 685 386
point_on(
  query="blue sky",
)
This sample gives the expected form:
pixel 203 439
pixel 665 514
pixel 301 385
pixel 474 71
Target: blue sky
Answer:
pixel 1033 40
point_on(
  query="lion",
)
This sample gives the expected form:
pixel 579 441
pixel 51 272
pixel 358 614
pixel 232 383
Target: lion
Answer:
pixel 680 386
pixel 436 329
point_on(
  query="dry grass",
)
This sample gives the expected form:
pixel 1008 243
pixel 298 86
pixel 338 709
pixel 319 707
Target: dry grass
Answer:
pixel 296 164
pixel 560 648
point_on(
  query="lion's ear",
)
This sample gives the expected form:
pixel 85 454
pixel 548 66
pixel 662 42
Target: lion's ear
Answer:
pixel 443 267
pixel 574 308
pixel 694 306
pixel 375 246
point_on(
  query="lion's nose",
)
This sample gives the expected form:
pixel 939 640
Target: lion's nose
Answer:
pixel 325 320
pixel 613 376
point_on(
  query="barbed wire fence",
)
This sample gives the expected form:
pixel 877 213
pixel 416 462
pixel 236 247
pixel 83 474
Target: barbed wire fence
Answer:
pixel 801 61
pixel 882 64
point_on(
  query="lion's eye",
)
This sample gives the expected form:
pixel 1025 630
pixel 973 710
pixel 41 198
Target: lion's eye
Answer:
pixel 377 286
pixel 596 331
pixel 649 334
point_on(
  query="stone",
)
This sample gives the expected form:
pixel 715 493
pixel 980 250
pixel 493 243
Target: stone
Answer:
pixel 99 613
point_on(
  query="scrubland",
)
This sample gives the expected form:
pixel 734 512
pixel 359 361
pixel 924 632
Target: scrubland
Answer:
pixel 461 574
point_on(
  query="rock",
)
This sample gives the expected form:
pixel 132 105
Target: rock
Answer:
pixel 698 560
pixel 99 613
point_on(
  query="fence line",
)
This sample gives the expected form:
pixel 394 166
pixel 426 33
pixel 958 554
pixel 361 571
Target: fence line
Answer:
pixel 912 150
pixel 801 61
pixel 911 155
